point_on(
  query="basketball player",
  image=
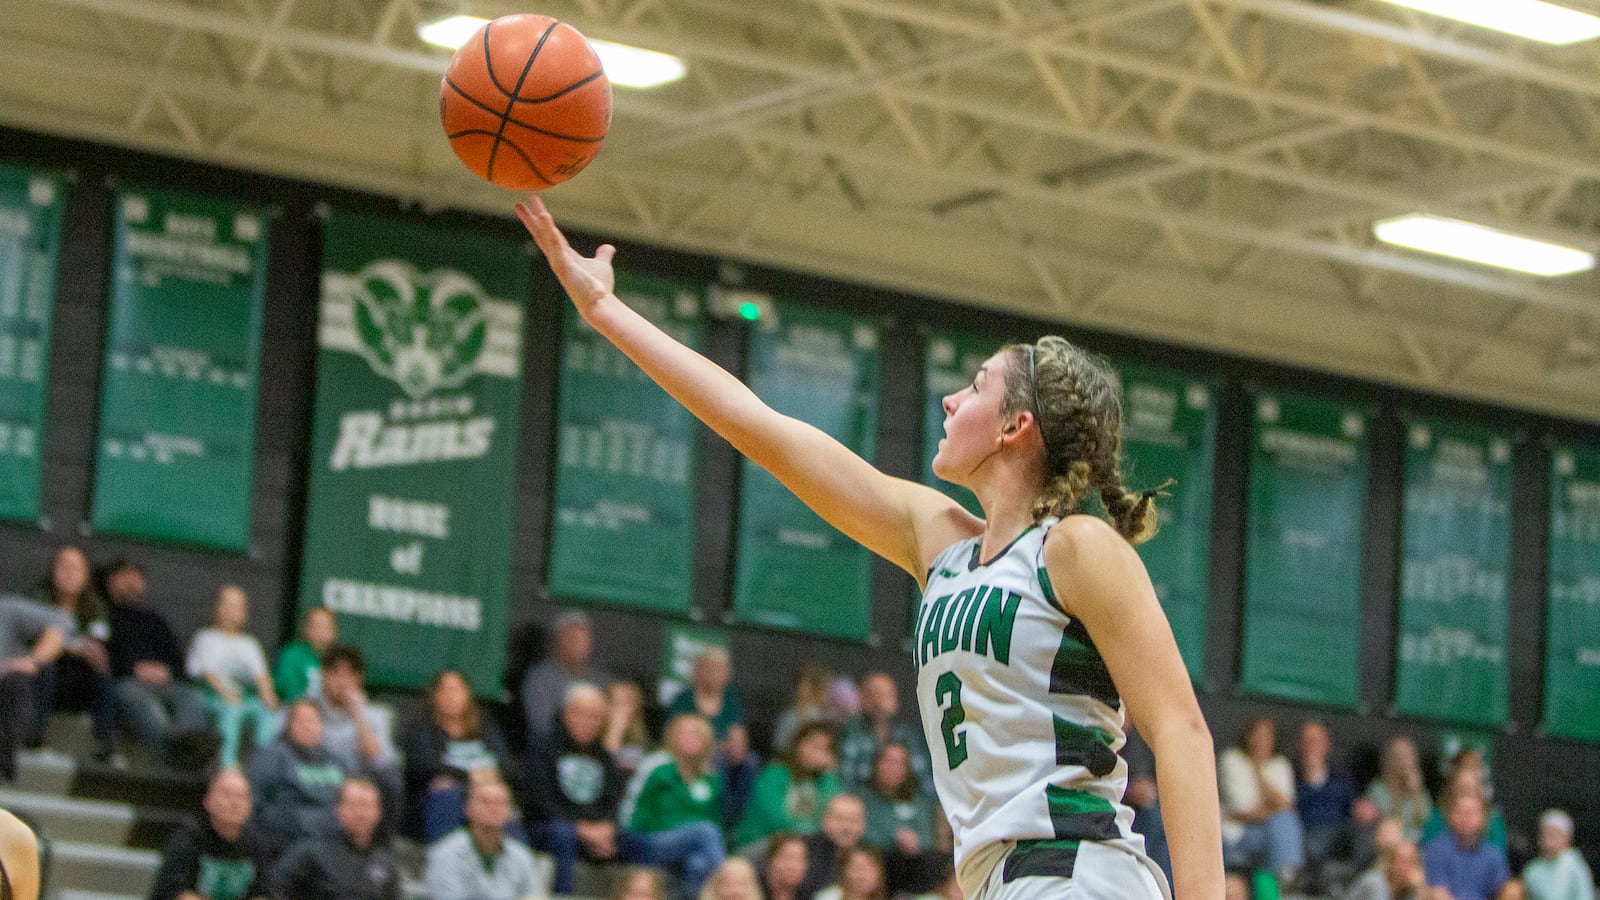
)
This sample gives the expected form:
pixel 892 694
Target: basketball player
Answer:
pixel 1036 626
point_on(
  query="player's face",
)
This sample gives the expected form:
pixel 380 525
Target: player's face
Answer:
pixel 973 422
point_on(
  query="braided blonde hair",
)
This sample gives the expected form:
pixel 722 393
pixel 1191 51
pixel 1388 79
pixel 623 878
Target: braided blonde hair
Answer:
pixel 1075 402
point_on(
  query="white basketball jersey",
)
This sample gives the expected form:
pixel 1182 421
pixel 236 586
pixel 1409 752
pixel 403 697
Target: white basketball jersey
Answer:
pixel 1021 716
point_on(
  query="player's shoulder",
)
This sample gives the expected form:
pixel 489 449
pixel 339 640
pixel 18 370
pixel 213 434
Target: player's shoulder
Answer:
pixel 1082 543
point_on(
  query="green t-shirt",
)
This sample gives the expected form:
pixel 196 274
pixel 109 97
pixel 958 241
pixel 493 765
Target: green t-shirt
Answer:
pixel 298 672
pixel 660 800
pixel 885 817
pixel 780 803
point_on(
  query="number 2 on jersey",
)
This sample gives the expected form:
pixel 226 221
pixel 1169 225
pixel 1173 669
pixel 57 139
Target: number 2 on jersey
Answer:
pixel 955 743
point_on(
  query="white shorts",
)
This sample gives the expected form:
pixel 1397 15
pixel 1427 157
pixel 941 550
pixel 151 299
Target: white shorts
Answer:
pixel 1042 870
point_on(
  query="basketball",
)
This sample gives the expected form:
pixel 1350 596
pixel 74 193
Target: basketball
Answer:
pixel 525 102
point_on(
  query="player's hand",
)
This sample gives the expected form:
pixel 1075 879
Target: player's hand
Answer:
pixel 586 278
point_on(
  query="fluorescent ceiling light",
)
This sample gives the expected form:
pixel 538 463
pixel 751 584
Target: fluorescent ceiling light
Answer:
pixel 452 31
pixel 637 67
pixel 1532 19
pixel 626 66
pixel 1481 244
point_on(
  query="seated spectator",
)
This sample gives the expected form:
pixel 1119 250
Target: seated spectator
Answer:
pixel 627 738
pixel 166 713
pixel 784 867
pixel 860 878
pixel 710 694
pixel 813 687
pixel 1397 875
pixel 673 805
pixel 233 667
pixel 295 781
pixel 19 859
pixel 1399 792
pixel 451 747
pixel 577 787
pixel 81 677
pixel 350 864
pixel 1323 796
pixel 481 861
pixel 359 733
pixel 1141 797
pixel 1560 872
pixel 878 723
pixel 544 687
pixel 1460 860
pixel 639 883
pixel 843 825
pixel 1236 886
pixel 735 879
pixel 791 793
pixel 900 823
pixel 298 671
pixel 31 637
pixel 1466 772
pixel 1259 827
pixel 214 856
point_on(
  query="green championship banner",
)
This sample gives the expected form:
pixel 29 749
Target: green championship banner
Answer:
pixel 1302 584
pixel 178 391
pixel 626 462
pixel 30 241
pixel 952 361
pixel 1169 432
pixel 1572 598
pixel 414 445
pixel 794 570
pixel 1455 560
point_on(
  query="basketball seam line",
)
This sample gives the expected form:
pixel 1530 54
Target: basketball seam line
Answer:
pixel 515 121
pixel 505 117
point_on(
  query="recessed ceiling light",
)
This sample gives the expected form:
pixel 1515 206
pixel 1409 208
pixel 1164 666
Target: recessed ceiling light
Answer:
pixel 1532 19
pixel 1482 244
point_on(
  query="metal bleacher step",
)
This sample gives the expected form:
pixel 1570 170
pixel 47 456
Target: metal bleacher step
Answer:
pixel 45 772
pixel 71 894
pixel 69 819
pixel 94 867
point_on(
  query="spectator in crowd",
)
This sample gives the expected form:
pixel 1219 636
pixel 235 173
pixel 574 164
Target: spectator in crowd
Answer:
pixel 298 671
pixel 1466 772
pixel 1236 886
pixel 784 866
pixel 451 747
pixel 900 823
pixel 735 879
pixel 860 878
pixel 482 861
pixel 166 713
pixel 813 687
pixel 843 825
pixel 232 665
pixel 639 883
pixel 295 781
pixel 357 732
pixel 791 792
pixel 545 685
pixel 19 858
pixel 577 787
pixel 31 637
pixel 1460 860
pixel 81 677
pixel 1399 792
pixel 1397 875
pixel 673 805
pixel 1323 796
pixel 878 723
pixel 350 864
pixel 1259 827
pixel 1142 798
pixel 1560 872
pixel 214 856
pixel 627 738
pixel 711 694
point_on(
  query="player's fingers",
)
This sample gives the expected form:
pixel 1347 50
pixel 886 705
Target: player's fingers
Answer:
pixel 605 253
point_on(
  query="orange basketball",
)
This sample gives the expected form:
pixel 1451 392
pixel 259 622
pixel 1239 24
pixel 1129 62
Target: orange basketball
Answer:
pixel 525 102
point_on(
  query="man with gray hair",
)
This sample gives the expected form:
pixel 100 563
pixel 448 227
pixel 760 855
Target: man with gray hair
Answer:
pixel 577 786
pixel 544 687
pixel 1560 872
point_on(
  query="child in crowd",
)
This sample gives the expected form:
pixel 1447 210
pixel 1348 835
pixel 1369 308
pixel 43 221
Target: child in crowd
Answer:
pixel 299 669
pixel 231 663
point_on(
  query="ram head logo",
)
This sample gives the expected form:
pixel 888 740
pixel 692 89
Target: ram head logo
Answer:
pixel 425 332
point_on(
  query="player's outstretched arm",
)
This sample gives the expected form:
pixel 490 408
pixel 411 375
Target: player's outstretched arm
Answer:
pixel 904 522
pixel 1113 598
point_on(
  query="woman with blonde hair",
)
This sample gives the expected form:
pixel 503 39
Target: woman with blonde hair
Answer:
pixel 626 736
pixel 735 879
pixel 1398 791
pixel 672 809
pixel 813 689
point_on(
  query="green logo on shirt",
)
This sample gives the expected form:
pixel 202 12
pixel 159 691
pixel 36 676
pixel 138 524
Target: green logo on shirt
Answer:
pixel 978 619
